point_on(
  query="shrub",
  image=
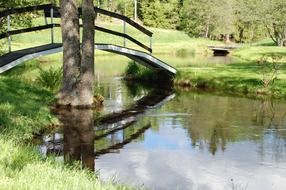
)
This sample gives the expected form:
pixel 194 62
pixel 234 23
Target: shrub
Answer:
pixel 50 79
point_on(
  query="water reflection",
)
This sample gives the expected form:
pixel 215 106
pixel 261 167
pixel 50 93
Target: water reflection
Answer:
pixel 78 133
pixel 184 141
pixel 203 141
pixel 82 137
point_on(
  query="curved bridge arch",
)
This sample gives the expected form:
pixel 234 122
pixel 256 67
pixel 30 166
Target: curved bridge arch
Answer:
pixel 14 58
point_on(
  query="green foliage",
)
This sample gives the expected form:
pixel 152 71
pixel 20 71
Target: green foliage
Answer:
pixel 51 78
pixel 138 73
pixel 270 67
pixel 160 14
pixel 132 69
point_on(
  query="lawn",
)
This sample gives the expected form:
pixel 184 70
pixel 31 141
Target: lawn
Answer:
pixel 244 78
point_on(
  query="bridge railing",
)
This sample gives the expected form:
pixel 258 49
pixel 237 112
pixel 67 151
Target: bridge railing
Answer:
pixel 52 12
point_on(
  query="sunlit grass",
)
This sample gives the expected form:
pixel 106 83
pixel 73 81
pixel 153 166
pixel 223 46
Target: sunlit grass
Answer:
pixel 241 78
pixel 24 111
pixel 21 167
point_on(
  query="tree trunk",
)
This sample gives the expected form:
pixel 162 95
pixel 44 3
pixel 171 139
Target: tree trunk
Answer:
pixel 71 51
pixel 207 27
pixel 78 79
pixel 86 85
pixel 241 34
pixel 227 38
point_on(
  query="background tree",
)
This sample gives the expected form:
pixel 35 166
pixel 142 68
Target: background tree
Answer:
pixel 272 14
pixel 162 14
pixel 247 23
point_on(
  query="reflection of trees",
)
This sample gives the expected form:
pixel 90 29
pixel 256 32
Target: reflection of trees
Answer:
pixel 269 115
pixel 219 137
pixel 272 118
pixel 215 121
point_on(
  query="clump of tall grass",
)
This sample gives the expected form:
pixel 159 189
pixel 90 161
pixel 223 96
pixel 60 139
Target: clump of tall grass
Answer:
pixel 138 73
pixel 50 79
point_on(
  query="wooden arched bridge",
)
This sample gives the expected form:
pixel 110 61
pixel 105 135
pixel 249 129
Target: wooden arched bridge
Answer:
pixel 14 58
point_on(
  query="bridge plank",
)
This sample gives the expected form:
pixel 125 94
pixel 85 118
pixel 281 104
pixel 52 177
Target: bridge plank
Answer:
pixel 10 57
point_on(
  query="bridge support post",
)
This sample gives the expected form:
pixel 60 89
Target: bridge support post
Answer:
pixel 151 44
pixel 9 29
pixel 124 31
pixel 52 22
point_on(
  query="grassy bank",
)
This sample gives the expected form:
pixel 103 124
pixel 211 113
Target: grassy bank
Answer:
pixel 261 71
pixel 23 112
pixel 256 51
pixel 250 79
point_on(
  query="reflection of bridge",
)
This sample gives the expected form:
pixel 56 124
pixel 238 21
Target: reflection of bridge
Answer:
pixel 14 58
pixel 80 133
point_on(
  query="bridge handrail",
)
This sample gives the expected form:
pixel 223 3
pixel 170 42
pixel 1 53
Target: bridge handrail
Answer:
pixel 25 30
pixel 19 10
pixel 126 19
pixel 56 13
pixel 124 36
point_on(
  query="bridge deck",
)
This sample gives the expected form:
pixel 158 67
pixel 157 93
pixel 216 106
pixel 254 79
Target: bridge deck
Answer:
pixel 15 58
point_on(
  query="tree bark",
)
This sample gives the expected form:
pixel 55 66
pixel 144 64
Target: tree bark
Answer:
pixel 86 85
pixel 71 52
pixel 78 81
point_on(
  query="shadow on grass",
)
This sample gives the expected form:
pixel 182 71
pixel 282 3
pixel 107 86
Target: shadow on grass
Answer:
pixel 23 69
pixel 275 54
pixel 270 43
pixel 23 108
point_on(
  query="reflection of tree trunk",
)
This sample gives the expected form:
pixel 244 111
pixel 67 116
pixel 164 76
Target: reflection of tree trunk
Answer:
pixel 265 114
pixel 78 135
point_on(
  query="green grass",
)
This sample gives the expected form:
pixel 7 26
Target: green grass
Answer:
pixel 258 50
pixel 23 112
pixel 238 78
pixel 253 53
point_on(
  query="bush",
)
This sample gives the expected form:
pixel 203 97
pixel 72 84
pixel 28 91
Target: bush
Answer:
pixel 132 69
pixel 50 79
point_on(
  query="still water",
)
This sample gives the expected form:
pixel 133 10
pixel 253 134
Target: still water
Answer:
pixel 175 139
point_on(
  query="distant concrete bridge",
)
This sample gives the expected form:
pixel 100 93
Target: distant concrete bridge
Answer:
pixel 14 58
pixel 222 50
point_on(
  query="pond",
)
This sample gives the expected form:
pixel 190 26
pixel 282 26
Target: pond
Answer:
pixel 162 139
